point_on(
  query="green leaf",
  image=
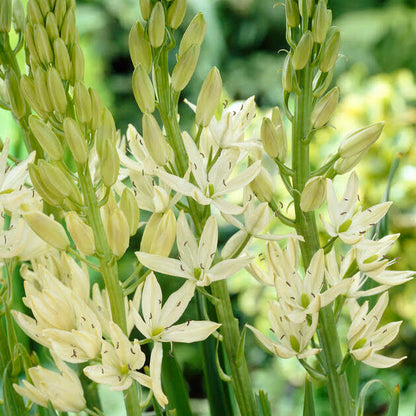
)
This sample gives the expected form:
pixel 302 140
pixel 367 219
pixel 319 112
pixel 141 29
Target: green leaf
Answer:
pixel 13 402
pixel 263 404
pixel 308 404
pixel 394 403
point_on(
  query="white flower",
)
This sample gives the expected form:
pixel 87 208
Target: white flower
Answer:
pixel 349 225
pixel 292 338
pixel 212 183
pixel 195 260
pixel 364 339
pixel 62 389
pixel 121 362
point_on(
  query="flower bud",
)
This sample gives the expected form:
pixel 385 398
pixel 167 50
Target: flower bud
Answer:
pixel 30 44
pixel 130 208
pixel 34 15
pixel 194 34
pixel 96 109
pixel 313 194
pixel 78 64
pixel 320 88
pixel 17 101
pixel 145 8
pixel 157 25
pixel 139 47
pixel 330 52
pixel 155 140
pixel 360 140
pixel 60 11
pixel 42 90
pixel 159 234
pixel 343 166
pixel 208 98
pixel 46 138
pixel 28 89
pixel 109 164
pixel 56 91
pixel 303 51
pixel 176 13
pixel 262 186
pixel 81 233
pixel 43 46
pixel 185 67
pixel 18 16
pixel 52 27
pixel 143 90
pixel 76 140
pixel 69 29
pixel 320 22
pixel 106 131
pixel 277 117
pixel 324 108
pixel 82 103
pixel 273 139
pixel 62 59
pixel 54 180
pixel 306 5
pixel 41 188
pixel 292 13
pixel 47 229
pixel 6 10
pixel 287 73
pixel 118 232
pixel 44 7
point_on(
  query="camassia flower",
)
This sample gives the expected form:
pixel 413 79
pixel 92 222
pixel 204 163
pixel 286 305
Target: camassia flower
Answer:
pixel 63 389
pixel 195 260
pixel 212 182
pixel 364 339
pixel 348 225
pixel 292 338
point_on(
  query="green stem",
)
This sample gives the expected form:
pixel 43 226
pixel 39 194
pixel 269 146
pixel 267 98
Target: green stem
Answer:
pixel 338 390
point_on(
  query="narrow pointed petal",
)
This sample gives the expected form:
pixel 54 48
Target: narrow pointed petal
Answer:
pixel 151 300
pixel 191 331
pixel 208 243
pixel 162 264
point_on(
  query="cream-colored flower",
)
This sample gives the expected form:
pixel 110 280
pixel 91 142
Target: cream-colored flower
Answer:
pixel 195 260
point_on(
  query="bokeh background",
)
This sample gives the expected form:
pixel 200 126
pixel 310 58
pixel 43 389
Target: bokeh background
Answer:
pixel 376 75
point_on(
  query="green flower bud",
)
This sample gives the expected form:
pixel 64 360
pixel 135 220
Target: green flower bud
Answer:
pixel 324 108
pixel 60 12
pixel 176 13
pixel 287 73
pixel 292 13
pixel 118 232
pixel 34 15
pixel 277 117
pixel 320 23
pixel 54 180
pixel 78 64
pixel 303 51
pixel 157 25
pixel 16 99
pixel 82 103
pixel 194 34
pixel 18 16
pixel 320 88
pixel 330 52
pixel 42 90
pixel 130 208
pixel 6 10
pixel 262 186
pixel 96 109
pixel 313 194
pixel 62 59
pixel 159 234
pixel 143 90
pixel 139 47
pixel 306 5
pixel 343 166
pixel 40 187
pixel 360 140
pixel 56 91
pixel 208 98
pixel 44 7
pixel 46 138
pixel 76 140
pixel 109 164
pixel 29 92
pixel 81 233
pixel 69 29
pixel 47 229
pixel 185 67
pixel 43 46
pixel 106 131
pixel 273 139
pixel 30 44
pixel 155 140
pixel 145 8
pixel 52 27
